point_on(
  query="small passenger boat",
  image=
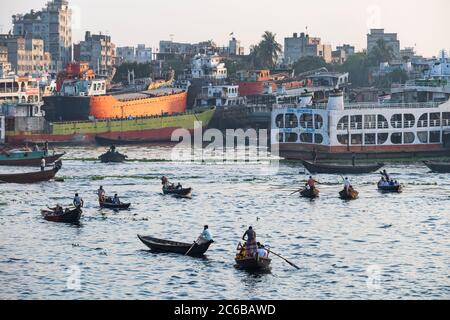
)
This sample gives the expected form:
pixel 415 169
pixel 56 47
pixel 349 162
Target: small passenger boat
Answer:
pixel 341 169
pixel 439 167
pixel 310 194
pixel 69 216
pixel 187 192
pixel 21 158
pixel 159 245
pixel 352 194
pixel 108 204
pixel 31 177
pixel 253 263
pixel 398 188
pixel 112 157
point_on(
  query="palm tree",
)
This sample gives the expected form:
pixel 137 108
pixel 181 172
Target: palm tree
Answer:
pixel 268 50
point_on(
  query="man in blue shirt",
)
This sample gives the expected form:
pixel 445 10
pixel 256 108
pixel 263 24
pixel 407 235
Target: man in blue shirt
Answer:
pixel 205 237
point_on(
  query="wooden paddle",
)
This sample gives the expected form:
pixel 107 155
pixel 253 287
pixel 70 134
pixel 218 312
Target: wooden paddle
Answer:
pixel 276 254
pixel 190 249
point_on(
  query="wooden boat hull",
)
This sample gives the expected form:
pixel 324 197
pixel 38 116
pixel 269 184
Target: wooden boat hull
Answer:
pixel 390 189
pixel 112 157
pixel 352 195
pixel 159 245
pixel 33 177
pixel 310 194
pixel 24 161
pixel 178 192
pixel 338 169
pixel 254 264
pixel 72 216
pixel 122 206
pixel 439 167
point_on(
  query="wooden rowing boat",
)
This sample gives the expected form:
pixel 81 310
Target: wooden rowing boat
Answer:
pixel 390 189
pixel 112 206
pixel 159 245
pixel 253 264
pixel 31 177
pixel 27 159
pixel 310 194
pixel 178 192
pixel 341 169
pixel 112 157
pixel 70 216
pixel 439 167
pixel 351 195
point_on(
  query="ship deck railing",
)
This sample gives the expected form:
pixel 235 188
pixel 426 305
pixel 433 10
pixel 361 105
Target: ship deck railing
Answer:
pixel 366 105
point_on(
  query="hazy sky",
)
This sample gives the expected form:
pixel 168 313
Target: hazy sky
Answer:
pixel 424 24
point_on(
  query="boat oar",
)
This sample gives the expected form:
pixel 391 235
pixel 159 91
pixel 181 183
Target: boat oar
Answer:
pixel 299 190
pixel 276 254
pixel 190 249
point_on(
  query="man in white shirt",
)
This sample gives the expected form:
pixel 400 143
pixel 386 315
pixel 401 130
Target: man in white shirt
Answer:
pixel 261 252
pixel 42 164
pixel 347 184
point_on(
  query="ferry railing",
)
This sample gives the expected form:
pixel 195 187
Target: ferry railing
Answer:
pixel 366 105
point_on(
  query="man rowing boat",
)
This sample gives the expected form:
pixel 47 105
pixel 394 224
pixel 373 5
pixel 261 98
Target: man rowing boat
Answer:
pixel 250 244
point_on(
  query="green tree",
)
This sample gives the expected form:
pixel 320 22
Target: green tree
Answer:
pixel 269 50
pixel 382 52
pixel 358 67
pixel 309 63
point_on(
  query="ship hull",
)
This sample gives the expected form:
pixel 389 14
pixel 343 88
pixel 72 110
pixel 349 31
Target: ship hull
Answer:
pixel 60 108
pixel 305 152
pixel 158 129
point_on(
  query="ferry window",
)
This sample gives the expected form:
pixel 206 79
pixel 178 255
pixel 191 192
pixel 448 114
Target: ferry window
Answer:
pixel 280 137
pixel 318 121
pixel 280 121
pixel 423 136
pixel 382 138
pixel 356 122
pixel 370 121
pixel 306 137
pixel 369 138
pixel 343 139
pixel 435 137
pixel 291 121
pixel 446 119
pixel 356 139
pixel 396 121
pixel 291 137
pixel 343 123
pixel 423 121
pixel 306 121
pixel 318 138
pixel 410 120
pixel 396 138
pixel 435 120
pixel 408 137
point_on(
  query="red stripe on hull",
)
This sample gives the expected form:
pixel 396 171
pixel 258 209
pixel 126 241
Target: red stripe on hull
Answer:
pixel 159 135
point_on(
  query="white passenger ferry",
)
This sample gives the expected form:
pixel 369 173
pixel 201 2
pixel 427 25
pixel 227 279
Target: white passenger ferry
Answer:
pixel 368 130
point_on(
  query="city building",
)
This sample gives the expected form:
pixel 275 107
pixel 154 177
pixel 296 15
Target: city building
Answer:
pixel 140 54
pixel 5 66
pixel 235 48
pixel 389 38
pixel 297 47
pixel 208 67
pixel 53 25
pixel 26 55
pixel 98 51
pixel 341 54
pixel 219 96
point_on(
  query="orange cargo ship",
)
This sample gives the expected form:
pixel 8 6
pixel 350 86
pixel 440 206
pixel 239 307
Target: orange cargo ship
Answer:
pixel 138 104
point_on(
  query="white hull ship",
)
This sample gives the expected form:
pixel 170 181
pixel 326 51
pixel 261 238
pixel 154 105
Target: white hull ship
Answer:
pixel 364 130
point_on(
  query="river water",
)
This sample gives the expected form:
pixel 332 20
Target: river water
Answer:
pixel 381 246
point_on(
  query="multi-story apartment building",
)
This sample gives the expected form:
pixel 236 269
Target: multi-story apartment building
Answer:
pixel 296 47
pixel 390 39
pixel 53 25
pixel 98 51
pixel 140 54
pixel 27 55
